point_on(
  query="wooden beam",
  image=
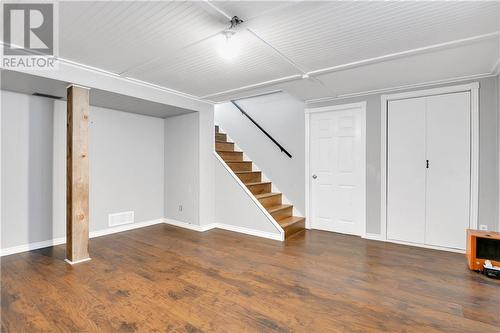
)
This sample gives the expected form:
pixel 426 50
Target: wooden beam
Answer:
pixel 77 171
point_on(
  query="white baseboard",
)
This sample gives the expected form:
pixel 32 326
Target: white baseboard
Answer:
pixel 432 247
pixel 124 227
pixel 228 227
pixel 247 231
pixel 372 236
pixel 379 237
pixel 62 240
pixel 190 226
pixel 32 246
pixel 76 262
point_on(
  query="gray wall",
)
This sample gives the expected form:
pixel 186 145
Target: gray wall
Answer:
pixel 126 167
pixel 206 139
pixel 488 154
pixel 283 117
pixel 182 168
pixel 27 127
pixel 498 142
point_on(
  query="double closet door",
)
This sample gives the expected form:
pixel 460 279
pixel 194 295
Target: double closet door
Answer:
pixel 428 170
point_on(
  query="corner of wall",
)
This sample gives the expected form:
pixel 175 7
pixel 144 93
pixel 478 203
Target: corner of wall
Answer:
pixel 206 167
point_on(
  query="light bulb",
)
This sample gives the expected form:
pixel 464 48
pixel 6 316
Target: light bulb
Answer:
pixel 229 47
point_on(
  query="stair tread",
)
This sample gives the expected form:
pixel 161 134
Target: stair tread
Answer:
pixel 243 171
pixel 288 221
pixel 225 151
pixel 257 183
pixel 276 208
pixel 220 141
pixel 265 195
pixel 238 161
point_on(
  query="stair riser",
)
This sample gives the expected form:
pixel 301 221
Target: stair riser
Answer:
pixel 240 166
pixel 253 177
pixel 282 213
pixel 295 228
pixel 221 136
pixel 231 156
pixel 224 146
pixel 271 201
pixel 259 189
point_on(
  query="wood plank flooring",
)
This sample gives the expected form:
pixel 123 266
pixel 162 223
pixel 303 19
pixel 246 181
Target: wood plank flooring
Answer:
pixel 167 279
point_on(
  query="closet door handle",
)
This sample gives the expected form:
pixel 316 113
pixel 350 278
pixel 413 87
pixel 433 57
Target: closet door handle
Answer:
pixel 427 164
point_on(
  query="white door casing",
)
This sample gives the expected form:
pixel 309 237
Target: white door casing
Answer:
pixel 336 160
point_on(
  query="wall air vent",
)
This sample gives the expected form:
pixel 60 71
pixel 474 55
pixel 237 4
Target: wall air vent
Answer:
pixel 46 95
pixel 120 218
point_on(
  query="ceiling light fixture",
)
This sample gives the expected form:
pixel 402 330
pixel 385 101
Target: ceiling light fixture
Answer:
pixel 229 47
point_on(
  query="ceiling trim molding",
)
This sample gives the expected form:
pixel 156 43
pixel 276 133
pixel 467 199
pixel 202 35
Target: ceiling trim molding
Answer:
pixel 257 85
pixel 217 9
pixel 265 93
pixel 364 62
pixel 496 68
pixel 398 88
pixel 278 52
pixel 411 52
pixel 118 76
pixel 129 79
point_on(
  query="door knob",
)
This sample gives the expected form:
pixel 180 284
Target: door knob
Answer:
pixel 314 176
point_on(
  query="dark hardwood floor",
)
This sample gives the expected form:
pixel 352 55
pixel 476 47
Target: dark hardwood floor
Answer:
pixel 167 279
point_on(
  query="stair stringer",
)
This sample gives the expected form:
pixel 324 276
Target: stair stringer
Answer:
pixel 275 188
pixel 252 198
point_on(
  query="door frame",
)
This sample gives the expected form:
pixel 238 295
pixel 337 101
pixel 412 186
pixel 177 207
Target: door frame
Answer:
pixel 473 88
pixel 307 118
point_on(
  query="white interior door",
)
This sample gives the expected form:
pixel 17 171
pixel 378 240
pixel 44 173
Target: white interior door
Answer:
pixel 406 170
pixel 448 175
pixel 337 167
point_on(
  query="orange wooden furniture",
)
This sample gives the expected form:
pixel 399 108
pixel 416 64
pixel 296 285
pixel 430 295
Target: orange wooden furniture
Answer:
pixel 474 262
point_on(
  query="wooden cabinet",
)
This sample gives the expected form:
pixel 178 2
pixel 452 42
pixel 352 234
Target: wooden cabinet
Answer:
pixel 481 246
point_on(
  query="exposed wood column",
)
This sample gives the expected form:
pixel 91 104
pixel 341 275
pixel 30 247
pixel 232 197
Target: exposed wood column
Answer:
pixel 77 175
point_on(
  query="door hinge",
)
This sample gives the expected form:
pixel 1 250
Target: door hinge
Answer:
pixel 427 164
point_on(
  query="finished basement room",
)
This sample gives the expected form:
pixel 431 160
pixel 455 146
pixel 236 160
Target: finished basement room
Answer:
pixel 250 166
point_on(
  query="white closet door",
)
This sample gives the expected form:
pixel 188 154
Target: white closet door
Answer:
pixel 406 170
pixel 448 175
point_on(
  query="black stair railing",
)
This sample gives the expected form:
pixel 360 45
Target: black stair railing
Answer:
pixel 263 130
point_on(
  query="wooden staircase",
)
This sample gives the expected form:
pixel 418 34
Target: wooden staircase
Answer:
pixel 282 213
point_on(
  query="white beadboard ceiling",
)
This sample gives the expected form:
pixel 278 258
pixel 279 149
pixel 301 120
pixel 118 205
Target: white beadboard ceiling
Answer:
pixel 173 44
pixel 199 70
pixel 318 35
pixel 117 36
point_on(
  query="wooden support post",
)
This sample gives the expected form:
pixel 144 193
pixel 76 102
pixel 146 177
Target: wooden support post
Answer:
pixel 77 175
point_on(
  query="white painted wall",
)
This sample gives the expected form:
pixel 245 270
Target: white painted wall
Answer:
pixel 182 168
pixel 234 207
pixel 282 116
pixel 126 167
